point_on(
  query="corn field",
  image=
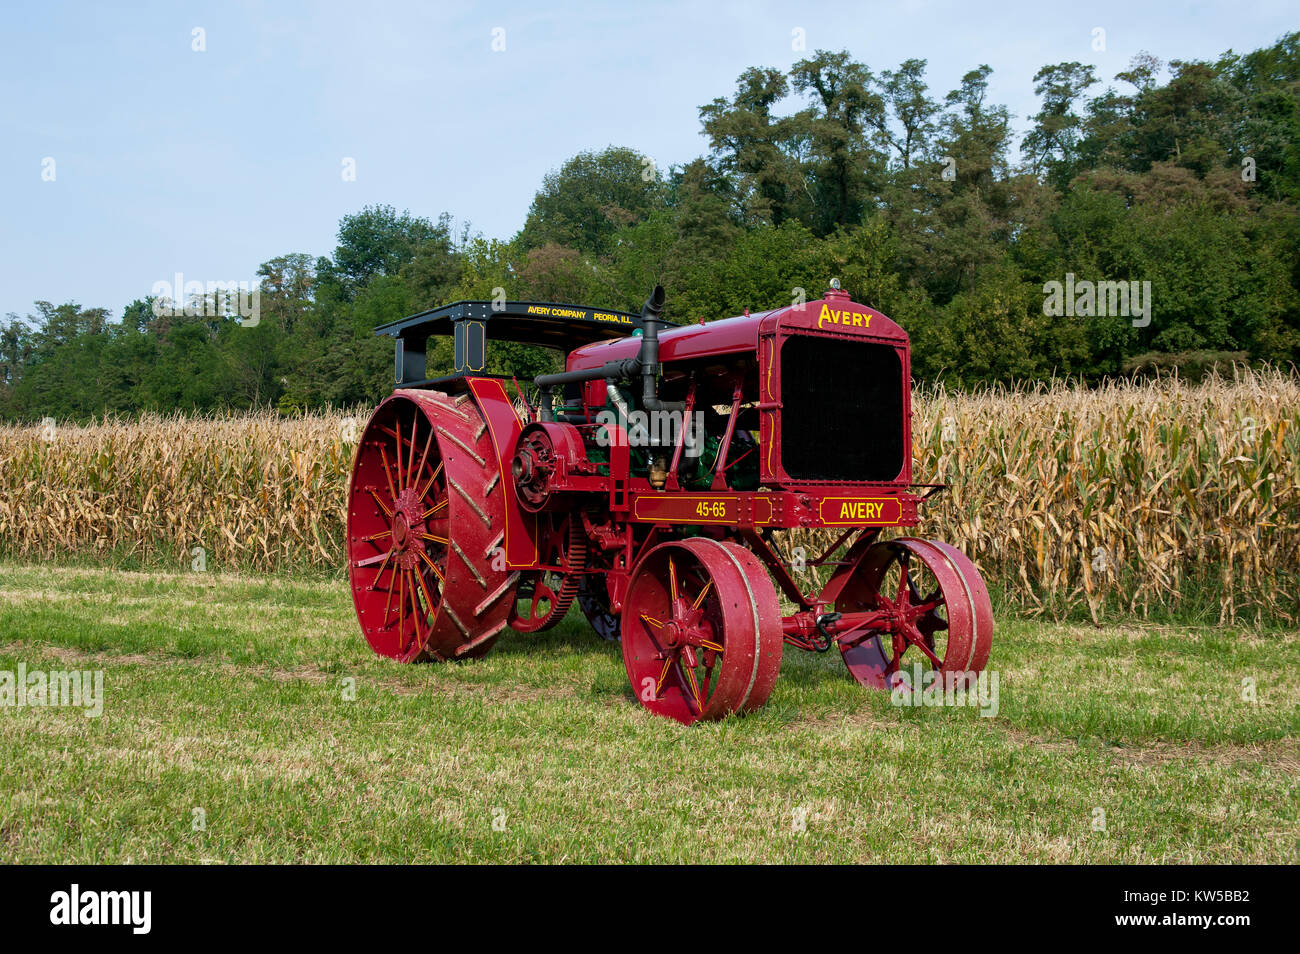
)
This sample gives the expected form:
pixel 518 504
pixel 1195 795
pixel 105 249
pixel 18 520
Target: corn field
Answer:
pixel 253 491
pixel 1124 495
pixel 1119 498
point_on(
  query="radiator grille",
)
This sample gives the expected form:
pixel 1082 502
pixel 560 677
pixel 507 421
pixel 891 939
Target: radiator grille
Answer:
pixel 842 410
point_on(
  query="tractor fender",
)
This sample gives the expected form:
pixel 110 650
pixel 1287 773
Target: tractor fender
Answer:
pixel 504 427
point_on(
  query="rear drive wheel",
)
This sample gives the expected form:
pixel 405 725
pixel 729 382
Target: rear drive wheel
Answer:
pixel 426 513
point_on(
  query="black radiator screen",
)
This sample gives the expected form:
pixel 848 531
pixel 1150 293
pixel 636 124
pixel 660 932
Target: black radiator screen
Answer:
pixel 842 410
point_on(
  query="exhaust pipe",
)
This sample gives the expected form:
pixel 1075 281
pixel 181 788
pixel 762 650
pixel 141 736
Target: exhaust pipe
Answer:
pixel 649 355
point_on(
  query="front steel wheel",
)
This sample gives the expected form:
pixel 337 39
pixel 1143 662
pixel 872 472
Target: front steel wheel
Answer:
pixel 936 613
pixel 701 630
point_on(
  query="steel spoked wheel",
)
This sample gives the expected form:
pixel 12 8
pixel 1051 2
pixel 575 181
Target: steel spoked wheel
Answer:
pixel 701 629
pixel 933 613
pixel 424 510
pixel 543 598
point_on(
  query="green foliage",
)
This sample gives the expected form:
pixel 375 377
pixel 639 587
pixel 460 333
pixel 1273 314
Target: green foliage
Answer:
pixel 378 241
pixel 593 195
pixel 1186 176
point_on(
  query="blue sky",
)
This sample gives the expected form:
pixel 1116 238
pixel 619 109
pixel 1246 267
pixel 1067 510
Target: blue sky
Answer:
pixel 209 163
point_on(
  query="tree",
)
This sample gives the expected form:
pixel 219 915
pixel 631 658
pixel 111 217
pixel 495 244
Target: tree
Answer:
pixel 910 108
pixel 287 284
pixel 976 135
pixel 584 203
pixel 1192 121
pixel 842 163
pixel 1052 145
pixel 555 273
pixel 759 150
pixel 15 352
pixel 702 204
pixel 378 241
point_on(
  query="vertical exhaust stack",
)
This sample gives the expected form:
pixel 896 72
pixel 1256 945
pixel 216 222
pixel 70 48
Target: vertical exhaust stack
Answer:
pixel 649 361
pixel 649 355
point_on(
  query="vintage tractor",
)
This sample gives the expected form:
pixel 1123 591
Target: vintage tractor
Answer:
pixel 648 482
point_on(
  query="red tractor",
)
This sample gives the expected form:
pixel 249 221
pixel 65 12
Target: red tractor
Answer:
pixel 648 482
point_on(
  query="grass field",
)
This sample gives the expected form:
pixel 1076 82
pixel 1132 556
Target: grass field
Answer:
pixel 227 693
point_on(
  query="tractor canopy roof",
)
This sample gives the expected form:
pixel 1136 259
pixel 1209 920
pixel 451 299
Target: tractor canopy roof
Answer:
pixel 836 313
pixel 528 322
pixel 473 323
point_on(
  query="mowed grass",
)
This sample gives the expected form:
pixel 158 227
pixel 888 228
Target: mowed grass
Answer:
pixel 227 693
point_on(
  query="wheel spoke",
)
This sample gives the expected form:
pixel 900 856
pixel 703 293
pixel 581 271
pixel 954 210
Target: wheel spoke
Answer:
pixel 401 442
pixel 661 649
pixel 414 587
pixel 424 457
pixel 695 689
pixel 703 593
pixel 672 581
pixel 442 580
pixel 400 484
pixel 904 586
pixel 401 606
pixel 432 477
pixel 388 471
pixel 410 457
pixel 389 602
pixel 415 618
pixel 899 644
pixel 914 637
pixel 374 587
pixel 424 588
pixel 414 597
pixel 434 509
pixel 663 674
pixel 929 606
pixel 382 506
pixel 371 561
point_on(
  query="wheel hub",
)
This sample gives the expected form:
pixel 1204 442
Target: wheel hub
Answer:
pixel 532 467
